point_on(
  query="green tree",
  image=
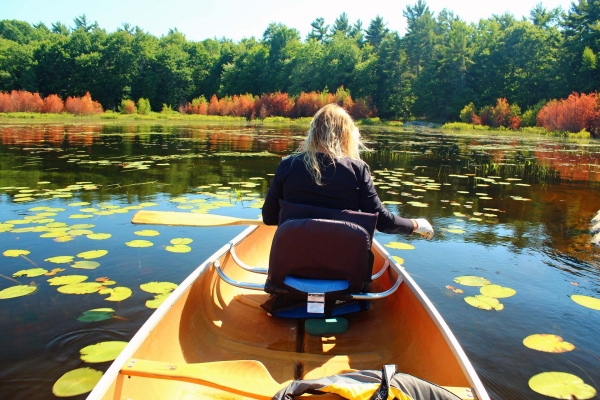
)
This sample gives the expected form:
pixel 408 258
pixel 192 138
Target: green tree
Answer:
pixel 341 24
pixel 319 30
pixel 376 31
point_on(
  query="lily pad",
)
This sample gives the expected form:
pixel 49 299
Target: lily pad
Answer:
pixel 17 291
pixel 586 301
pixel 85 264
pixel 66 280
pixel 80 288
pixel 158 287
pixel 181 241
pixel 60 259
pixel 484 302
pixel 157 301
pixel 456 231
pixel 147 232
pixel 399 260
pixel 117 294
pixel 97 314
pixel 470 280
pixel 88 255
pixel 98 236
pixel 497 291
pixel 81 216
pixel 103 351
pixel 15 253
pixel 62 239
pixel 30 273
pixel 548 343
pixel 139 243
pixel 561 385
pixel 178 248
pixel 399 246
pixel 75 382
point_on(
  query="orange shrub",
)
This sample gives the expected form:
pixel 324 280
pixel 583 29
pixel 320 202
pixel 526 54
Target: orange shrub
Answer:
pixel 274 105
pixel 4 102
pixel 577 112
pixel 363 108
pixel 242 106
pixel 53 104
pixel 514 122
pixel 82 105
pixel 500 114
pixel 214 108
pixel 128 107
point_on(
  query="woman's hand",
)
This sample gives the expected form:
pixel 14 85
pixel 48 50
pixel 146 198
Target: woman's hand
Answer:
pixel 423 227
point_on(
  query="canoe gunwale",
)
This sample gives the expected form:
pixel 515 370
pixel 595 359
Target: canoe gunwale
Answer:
pixel 439 321
pixel 114 370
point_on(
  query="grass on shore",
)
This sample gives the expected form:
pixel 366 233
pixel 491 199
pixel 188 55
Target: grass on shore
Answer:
pixel 530 130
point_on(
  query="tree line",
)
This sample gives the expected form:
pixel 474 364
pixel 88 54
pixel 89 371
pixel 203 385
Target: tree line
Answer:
pixel 432 71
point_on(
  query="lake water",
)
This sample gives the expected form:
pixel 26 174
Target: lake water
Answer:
pixel 516 211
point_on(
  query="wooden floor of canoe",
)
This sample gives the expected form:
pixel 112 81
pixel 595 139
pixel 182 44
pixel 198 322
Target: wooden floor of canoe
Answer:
pixel 215 322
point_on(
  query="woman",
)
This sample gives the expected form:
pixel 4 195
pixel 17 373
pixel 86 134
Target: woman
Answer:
pixel 328 172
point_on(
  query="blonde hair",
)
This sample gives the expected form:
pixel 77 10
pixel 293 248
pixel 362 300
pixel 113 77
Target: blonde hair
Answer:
pixel 332 131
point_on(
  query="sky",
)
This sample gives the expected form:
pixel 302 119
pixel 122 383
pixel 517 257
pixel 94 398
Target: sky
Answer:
pixel 237 19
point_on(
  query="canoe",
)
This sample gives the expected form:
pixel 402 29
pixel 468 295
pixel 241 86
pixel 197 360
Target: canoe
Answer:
pixel 211 339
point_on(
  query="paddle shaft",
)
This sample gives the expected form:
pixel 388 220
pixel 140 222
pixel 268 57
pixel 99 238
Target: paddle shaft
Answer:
pixel 188 219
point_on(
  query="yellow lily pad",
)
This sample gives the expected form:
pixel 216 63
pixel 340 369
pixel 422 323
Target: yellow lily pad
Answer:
pixel 30 273
pixel 181 241
pixel 399 260
pixel 399 246
pixel 66 280
pixel 62 239
pixel 561 385
pixel 548 343
pixel 17 291
pixel 497 291
pixel 88 255
pixel 80 288
pixel 79 232
pixel 139 243
pixel 484 302
pixel 117 294
pixel 455 230
pixel 85 264
pixel 98 236
pixel 15 253
pixel 75 382
pixel 586 301
pixel 470 280
pixel 158 287
pixel 60 259
pixel 157 301
pixel 147 232
pixel 178 248
pixel 81 216
pixel 102 352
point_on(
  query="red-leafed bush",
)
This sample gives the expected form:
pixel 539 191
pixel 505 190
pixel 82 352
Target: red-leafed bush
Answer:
pixel 577 112
pixel 242 106
pixel 274 105
pixel 500 114
pixel 21 101
pixel 214 108
pixel 127 107
pixel 514 122
pixel 363 108
pixel 53 104
pixel 82 105
pixel 4 102
pixel 197 106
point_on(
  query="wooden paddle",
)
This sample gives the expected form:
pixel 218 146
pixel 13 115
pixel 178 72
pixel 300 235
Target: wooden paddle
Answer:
pixel 188 219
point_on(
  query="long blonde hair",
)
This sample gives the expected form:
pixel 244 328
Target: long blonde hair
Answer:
pixel 332 131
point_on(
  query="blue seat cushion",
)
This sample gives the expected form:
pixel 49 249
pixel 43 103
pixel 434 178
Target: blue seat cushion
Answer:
pixel 316 285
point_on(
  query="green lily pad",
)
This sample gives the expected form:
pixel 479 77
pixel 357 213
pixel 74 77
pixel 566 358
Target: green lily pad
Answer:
pixel 586 301
pixel 98 236
pixel 470 280
pixel 17 291
pixel 181 241
pixel 484 302
pixel 561 385
pixel 85 264
pixel 80 288
pixel 117 294
pixel 79 232
pixel 97 314
pixel 157 301
pixel 75 382
pixel 60 259
pixel 66 280
pixel 15 253
pixel 497 291
pixel 139 243
pixel 88 255
pixel 79 204
pixel 548 343
pixel 147 232
pixel 178 248
pixel 30 273
pixel 103 351
pixel 158 287
pixel 399 246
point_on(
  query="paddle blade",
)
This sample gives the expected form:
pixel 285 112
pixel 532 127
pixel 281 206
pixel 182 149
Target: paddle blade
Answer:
pixel 188 219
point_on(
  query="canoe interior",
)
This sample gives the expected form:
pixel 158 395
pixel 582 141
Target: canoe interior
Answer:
pixel 213 322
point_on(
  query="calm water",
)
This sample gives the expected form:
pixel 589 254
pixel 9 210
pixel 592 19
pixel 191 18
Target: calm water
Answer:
pixel 539 246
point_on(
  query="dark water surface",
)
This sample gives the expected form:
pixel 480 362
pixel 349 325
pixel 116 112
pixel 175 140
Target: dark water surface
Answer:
pixel 535 239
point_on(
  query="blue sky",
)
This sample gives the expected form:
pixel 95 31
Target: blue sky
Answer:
pixel 236 19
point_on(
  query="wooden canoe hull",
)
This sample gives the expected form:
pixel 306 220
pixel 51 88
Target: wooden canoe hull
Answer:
pixel 209 336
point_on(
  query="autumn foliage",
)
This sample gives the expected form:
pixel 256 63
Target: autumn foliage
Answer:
pixel 24 101
pixel 82 105
pixel 502 114
pixel 573 114
pixel 21 101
